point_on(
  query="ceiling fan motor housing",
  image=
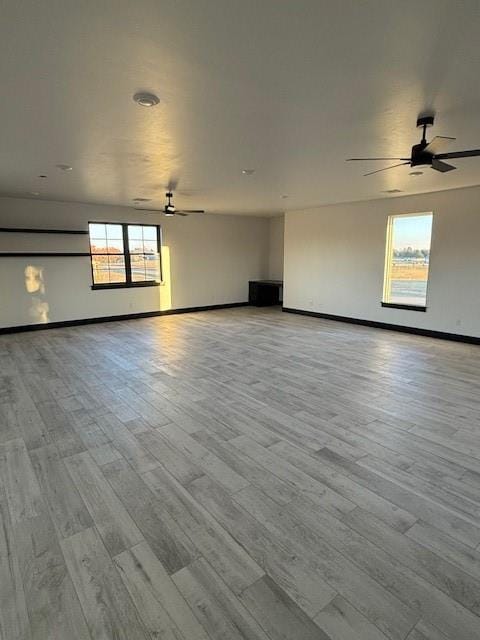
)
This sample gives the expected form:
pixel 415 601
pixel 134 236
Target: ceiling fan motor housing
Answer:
pixel 420 157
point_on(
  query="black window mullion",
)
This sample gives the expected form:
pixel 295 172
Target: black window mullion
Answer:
pixel 126 249
pixel 159 251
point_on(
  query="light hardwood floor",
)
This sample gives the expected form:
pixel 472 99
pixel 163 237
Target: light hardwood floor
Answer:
pixel 238 474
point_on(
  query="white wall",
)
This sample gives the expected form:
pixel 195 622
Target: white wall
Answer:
pixel 334 260
pixel 212 258
pixel 275 249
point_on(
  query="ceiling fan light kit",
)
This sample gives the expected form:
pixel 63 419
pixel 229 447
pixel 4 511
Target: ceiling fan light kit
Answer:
pixel 426 154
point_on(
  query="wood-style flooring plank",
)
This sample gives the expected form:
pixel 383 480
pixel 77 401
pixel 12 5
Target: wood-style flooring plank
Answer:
pixel 291 571
pixel 447 548
pixel 166 538
pixel 456 583
pixel 232 563
pixel 67 509
pixel 114 523
pixel 53 607
pixel 436 514
pixel 320 493
pixel 343 622
pixel 180 465
pixel 375 602
pixel 126 443
pixel 430 603
pixel 280 491
pixel 425 631
pixel 209 462
pixel 345 486
pixel 163 609
pixel 278 614
pixel 14 623
pixel 108 608
pixel 216 608
pixel 21 486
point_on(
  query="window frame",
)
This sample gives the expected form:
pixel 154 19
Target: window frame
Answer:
pixel 388 262
pixel 129 283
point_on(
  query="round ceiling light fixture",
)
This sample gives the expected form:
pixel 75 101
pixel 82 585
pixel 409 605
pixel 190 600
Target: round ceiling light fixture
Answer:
pixel 42 175
pixel 64 167
pixel 416 173
pixel 248 172
pixel 145 99
pixel 34 193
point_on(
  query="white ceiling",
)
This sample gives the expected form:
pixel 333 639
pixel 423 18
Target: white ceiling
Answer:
pixel 288 87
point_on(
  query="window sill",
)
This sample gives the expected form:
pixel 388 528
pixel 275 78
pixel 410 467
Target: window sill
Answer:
pixel 125 285
pixel 408 307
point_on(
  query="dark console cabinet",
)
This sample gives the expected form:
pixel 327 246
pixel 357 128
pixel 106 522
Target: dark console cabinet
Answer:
pixel 264 293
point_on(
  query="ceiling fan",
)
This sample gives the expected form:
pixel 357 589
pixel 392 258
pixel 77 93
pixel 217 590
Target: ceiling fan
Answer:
pixel 427 153
pixel 169 209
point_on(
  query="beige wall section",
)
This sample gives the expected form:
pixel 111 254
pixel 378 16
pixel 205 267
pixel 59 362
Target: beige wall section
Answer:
pixel 275 250
pixel 334 259
pixel 211 258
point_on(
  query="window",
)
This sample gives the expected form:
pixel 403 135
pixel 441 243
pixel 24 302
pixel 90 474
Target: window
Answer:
pixel 407 261
pixel 124 255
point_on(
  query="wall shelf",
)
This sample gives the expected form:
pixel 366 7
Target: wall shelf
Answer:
pixel 20 230
pixel 41 254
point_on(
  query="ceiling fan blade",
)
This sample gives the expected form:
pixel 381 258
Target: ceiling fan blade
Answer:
pixel 354 159
pixel 458 154
pixel 385 168
pixel 187 211
pixel 149 210
pixel 437 144
pixel 180 213
pixel 438 165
